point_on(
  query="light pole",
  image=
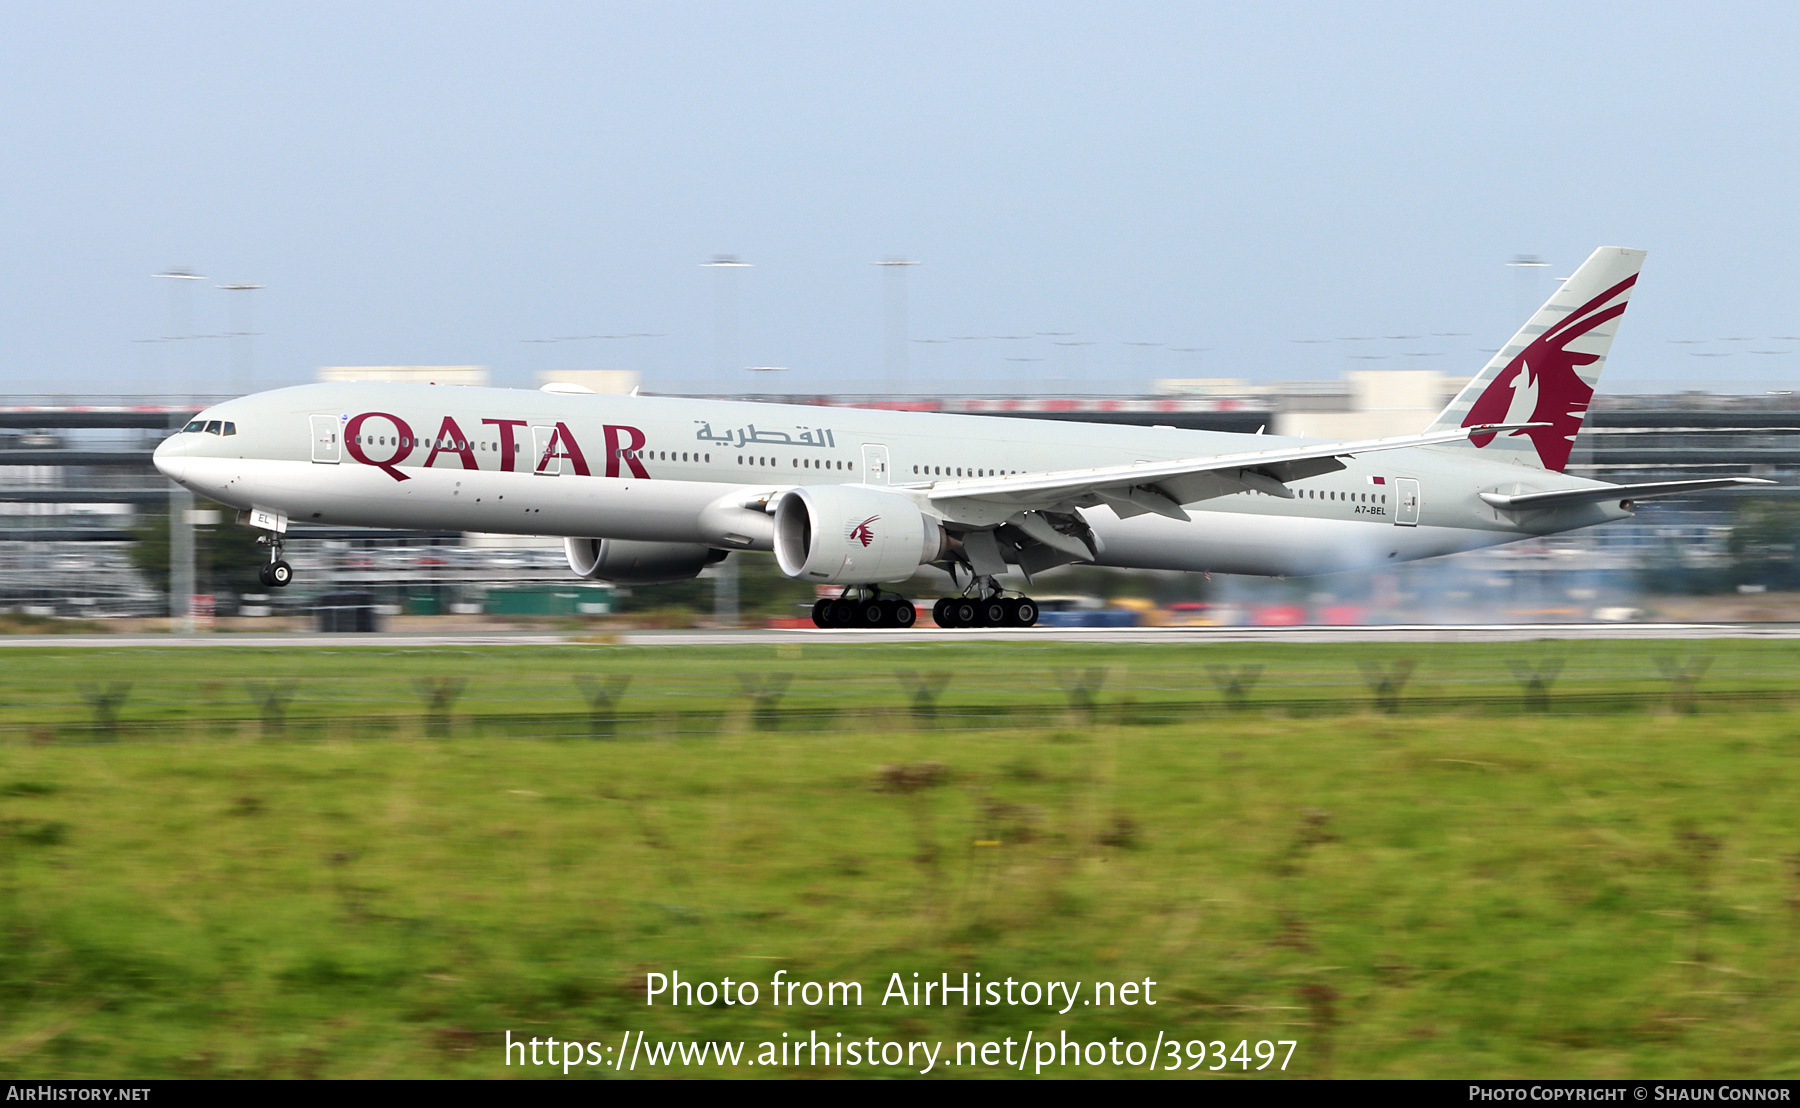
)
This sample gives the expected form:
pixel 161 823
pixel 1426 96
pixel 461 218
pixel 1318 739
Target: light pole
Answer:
pixel 243 368
pixel 181 501
pixel 1526 285
pixel 725 592
pixel 725 316
pixel 894 320
pixel 181 322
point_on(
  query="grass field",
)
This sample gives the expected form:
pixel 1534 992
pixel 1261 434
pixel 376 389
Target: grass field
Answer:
pixel 1416 862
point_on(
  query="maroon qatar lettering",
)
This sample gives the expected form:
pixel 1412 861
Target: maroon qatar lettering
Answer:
pixel 450 440
pixel 402 441
pixel 622 445
pixel 507 448
pixel 562 445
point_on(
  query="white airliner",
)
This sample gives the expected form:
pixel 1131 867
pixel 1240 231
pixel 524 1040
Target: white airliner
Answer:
pixel 653 489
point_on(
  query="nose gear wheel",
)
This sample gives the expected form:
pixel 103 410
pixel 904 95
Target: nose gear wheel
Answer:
pixel 275 573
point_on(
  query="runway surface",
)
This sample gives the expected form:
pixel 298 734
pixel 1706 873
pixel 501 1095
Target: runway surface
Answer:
pixel 761 637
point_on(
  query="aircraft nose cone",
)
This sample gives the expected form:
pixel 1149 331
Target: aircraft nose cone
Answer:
pixel 171 464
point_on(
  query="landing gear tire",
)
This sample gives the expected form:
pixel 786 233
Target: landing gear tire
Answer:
pixel 993 611
pixel 274 573
pixel 873 611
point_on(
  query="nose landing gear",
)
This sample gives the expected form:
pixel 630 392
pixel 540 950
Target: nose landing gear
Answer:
pixel 276 573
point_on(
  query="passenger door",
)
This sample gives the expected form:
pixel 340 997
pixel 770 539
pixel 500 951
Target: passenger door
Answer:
pixel 327 439
pixel 875 464
pixel 541 440
pixel 1406 512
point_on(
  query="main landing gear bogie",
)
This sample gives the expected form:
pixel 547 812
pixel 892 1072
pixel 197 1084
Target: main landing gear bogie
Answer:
pixel 859 610
pixel 990 611
pixel 850 613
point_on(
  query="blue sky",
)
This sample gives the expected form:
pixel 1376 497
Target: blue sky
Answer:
pixel 436 183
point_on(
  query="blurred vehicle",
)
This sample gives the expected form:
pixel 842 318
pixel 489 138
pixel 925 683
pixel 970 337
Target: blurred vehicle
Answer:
pixel 1083 611
pixel 1191 613
pixel 350 611
pixel 1278 615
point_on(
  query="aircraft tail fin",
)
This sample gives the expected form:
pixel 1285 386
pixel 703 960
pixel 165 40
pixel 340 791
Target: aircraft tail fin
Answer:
pixel 1547 373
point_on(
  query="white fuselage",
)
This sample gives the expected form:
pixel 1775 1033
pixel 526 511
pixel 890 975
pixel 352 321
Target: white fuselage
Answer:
pixel 677 470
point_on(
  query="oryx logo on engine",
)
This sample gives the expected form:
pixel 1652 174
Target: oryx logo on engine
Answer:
pixel 859 532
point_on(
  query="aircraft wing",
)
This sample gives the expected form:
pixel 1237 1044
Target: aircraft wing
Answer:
pixel 1561 498
pixel 1163 487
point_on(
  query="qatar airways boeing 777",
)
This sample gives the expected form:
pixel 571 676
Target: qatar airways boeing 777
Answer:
pixel 646 489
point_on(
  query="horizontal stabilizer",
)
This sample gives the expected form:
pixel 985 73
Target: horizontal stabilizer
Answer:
pixel 1594 494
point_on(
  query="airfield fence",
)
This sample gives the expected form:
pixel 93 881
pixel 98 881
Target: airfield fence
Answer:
pixel 595 701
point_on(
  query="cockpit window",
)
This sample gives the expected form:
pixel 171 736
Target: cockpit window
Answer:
pixel 197 425
pixel 215 427
pixel 230 429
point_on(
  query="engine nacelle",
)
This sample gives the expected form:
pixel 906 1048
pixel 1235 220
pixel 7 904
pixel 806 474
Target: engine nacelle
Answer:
pixel 638 563
pixel 852 535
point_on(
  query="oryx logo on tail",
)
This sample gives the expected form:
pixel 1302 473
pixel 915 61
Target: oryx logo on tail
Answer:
pixel 1541 385
pixel 859 532
pixel 1546 374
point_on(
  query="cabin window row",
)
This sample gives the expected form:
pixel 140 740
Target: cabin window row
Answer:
pixel 957 471
pixel 1331 494
pixel 1351 497
pixel 429 444
pixel 662 455
pixel 796 463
